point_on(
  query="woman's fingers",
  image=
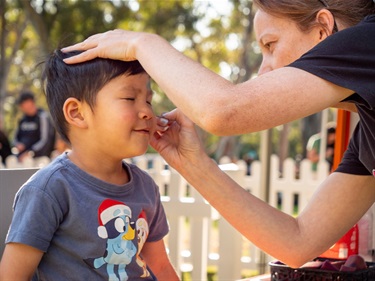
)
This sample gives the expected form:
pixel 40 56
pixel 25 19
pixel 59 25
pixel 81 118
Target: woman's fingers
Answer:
pixel 115 44
pixel 179 117
pixel 101 45
pixel 89 43
pixel 85 56
pixel 89 47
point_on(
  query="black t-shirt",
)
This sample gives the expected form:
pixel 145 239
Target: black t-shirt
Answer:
pixel 36 133
pixel 347 59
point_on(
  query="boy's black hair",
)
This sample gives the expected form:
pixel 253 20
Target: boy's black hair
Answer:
pixel 82 81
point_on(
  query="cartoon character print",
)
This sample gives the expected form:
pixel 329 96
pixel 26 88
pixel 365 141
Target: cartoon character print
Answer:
pixel 116 226
pixel 142 233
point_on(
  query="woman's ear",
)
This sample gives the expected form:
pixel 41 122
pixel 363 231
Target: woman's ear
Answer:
pixel 73 112
pixel 326 22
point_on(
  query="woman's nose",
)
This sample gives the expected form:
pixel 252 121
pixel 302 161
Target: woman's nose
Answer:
pixel 264 67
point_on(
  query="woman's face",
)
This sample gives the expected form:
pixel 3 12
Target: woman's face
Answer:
pixel 281 41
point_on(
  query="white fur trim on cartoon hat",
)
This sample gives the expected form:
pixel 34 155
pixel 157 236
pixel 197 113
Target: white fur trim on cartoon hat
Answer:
pixel 108 210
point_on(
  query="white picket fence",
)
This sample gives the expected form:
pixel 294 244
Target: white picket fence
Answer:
pixel 199 238
pixel 210 239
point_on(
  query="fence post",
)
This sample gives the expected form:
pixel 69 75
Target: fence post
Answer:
pixel 230 240
pixel 175 220
pixel 199 247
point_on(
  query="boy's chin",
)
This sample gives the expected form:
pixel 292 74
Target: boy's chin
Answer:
pixel 137 153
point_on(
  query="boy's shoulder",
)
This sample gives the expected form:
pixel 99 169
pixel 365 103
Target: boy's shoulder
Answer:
pixel 49 173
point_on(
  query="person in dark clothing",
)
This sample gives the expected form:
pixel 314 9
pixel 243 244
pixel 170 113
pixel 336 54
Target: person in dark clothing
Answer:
pixel 35 133
pixel 5 149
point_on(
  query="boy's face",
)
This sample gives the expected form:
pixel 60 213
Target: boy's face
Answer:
pixel 122 120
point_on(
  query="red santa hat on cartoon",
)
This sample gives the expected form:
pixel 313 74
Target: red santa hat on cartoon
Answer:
pixel 142 222
pixel 108 210
pixel 142 215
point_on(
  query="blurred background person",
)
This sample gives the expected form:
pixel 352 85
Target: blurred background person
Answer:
pixel 35 134
pixel 313 147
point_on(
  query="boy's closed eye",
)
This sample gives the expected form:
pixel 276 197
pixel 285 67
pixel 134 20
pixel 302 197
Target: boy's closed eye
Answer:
pixel 133 99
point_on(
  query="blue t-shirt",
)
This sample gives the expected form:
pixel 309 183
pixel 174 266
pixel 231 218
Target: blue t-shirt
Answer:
pixel 89 229
pixel 347 59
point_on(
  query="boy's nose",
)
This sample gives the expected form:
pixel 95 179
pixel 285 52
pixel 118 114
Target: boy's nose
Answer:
pixel 146 113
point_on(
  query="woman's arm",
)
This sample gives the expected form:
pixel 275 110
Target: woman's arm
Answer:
pixel 19 262
pixel 157 259
pixel 346 106
pixel 339 203
pixel 212 102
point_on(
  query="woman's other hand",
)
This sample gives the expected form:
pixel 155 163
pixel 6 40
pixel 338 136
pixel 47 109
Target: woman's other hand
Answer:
pixel 179 144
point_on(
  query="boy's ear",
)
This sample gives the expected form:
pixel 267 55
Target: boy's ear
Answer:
pixel 326 21
pixel 73 112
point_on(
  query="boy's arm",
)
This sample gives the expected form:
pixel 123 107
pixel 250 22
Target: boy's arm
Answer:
pixel 157 259
pixel 19 262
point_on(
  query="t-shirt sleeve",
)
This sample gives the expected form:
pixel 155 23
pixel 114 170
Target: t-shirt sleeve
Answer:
pixel 347 59
pixel 158 223
pixel 37 218
pixel 351 163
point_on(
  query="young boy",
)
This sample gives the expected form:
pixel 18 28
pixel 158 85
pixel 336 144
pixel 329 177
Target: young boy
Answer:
pixel 89 215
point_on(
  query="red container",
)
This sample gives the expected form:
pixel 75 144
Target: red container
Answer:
pixel 345 247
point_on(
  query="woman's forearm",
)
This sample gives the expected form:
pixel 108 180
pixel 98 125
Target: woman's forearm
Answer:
pixel 201 86
pixel 220 107
pixel 291 240
pixel 273 231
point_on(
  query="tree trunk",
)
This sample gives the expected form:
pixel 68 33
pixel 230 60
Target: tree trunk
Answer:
pixel 39 25
pixel 2 61
pixel 6 62
pixel 249 69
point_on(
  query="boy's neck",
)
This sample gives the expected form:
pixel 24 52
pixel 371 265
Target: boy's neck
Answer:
pixel 108 171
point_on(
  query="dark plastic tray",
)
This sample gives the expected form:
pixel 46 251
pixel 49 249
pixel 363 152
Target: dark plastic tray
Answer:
pixel 282 272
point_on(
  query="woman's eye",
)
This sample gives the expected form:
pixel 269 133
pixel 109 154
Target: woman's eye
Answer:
pixel 131 99
pixel 269 45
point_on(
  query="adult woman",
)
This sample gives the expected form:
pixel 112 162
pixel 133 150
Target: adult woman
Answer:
pixel 338 68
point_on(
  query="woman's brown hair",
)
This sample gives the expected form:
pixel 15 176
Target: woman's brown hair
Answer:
pixel 303 12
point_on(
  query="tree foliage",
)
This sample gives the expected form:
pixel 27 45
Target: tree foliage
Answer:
pixel 221 39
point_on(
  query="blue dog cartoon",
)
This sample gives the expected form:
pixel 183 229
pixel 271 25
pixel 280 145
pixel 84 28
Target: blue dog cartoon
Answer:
pixel 116 226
